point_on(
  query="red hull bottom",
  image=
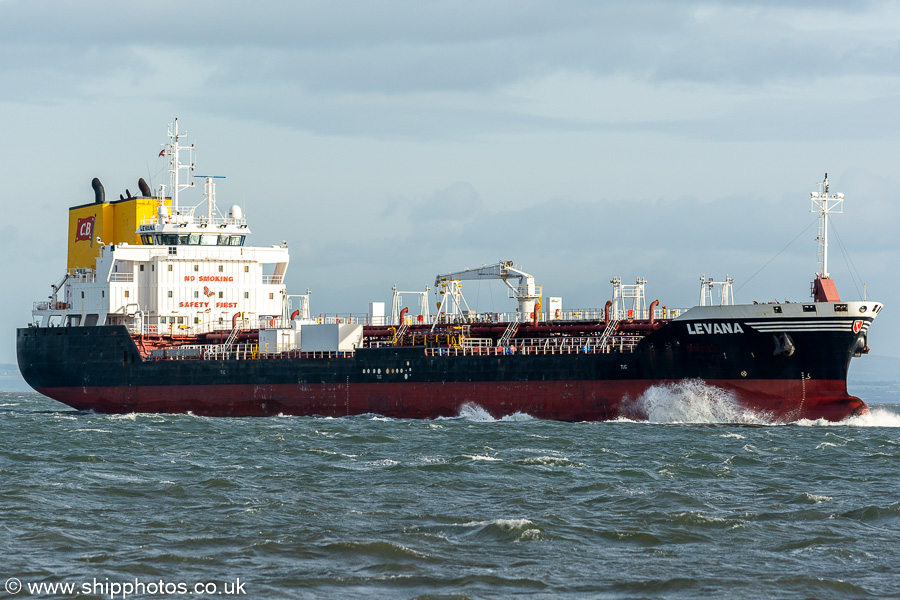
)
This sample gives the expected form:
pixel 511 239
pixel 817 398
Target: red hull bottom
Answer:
pixel 774 400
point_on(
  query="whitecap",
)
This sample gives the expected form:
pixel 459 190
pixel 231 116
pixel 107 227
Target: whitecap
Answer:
pixel 554 461
pixel 817 499
pixel 826 445
pixel 483 457
pixel 502 523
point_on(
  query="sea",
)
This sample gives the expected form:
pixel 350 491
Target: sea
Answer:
pixel 702 500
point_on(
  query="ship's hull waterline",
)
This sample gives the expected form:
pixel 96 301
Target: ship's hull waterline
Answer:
pixel 101 369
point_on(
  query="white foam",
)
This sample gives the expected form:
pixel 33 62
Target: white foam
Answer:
pixel 502 523
pixel 693 401
pixel 817 499
pixel 473 412
pixel 552 461
pixel 878 417
pixel 518 416
pixel 522 529
pixel 482 457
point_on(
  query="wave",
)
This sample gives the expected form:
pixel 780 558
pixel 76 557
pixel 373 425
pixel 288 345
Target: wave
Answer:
pixel 693 401
pixel 471 411
pixel 876 417
pixel 550 461
pixel 516 530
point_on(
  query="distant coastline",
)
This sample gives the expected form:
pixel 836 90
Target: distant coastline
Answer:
pixel 11 379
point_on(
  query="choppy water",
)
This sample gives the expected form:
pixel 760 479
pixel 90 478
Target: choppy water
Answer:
pixel 470 507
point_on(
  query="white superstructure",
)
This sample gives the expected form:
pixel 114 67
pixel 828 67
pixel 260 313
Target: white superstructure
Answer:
pixel 190 273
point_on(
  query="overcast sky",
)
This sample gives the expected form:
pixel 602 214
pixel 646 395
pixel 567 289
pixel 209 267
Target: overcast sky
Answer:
pixel 390 141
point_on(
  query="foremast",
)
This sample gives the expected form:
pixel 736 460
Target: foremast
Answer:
pixel 825 203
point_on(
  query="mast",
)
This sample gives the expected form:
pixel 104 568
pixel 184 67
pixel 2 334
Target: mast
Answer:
pixel 824 203
pixel 172 151
pixel 209 190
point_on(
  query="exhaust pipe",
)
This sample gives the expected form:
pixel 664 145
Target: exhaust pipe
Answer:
pixel 99 193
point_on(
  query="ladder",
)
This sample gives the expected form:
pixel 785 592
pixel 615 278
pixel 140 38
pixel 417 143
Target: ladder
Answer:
pixel 401 331
pixel 511 330
pixel 611 326
pixel 234 334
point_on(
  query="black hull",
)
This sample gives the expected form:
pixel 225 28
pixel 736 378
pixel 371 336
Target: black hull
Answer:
pixel 100 368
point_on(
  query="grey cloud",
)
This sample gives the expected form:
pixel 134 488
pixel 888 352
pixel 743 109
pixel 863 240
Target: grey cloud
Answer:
pixel 398 48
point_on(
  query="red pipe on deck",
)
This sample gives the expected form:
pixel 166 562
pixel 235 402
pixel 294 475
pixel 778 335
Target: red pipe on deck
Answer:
pixel 653 306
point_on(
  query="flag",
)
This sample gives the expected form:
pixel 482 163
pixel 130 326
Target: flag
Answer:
pixel 162 152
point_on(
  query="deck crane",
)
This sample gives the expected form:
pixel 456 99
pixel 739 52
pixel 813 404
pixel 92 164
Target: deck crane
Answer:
pixel 526 293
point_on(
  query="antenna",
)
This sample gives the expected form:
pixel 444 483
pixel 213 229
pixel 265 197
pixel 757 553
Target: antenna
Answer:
pixel 209 190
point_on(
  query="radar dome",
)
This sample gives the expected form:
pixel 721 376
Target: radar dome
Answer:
pixel 163 211
pixel 236 213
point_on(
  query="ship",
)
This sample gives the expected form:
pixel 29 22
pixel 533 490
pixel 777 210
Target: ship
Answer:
pixel 165 308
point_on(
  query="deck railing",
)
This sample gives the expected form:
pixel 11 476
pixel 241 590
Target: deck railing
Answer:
pixel 522 347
